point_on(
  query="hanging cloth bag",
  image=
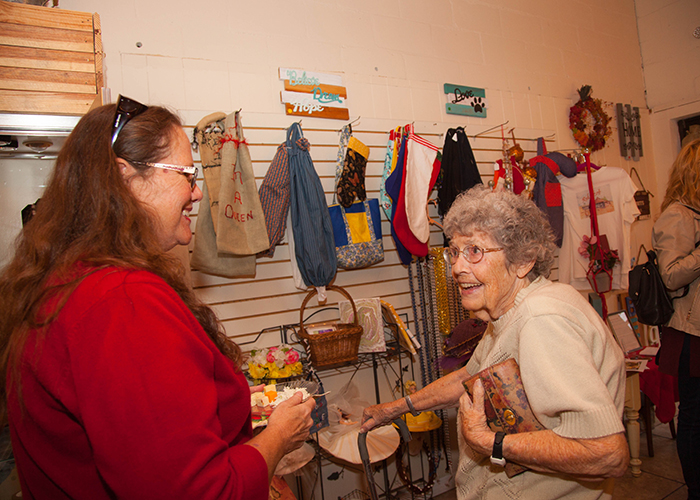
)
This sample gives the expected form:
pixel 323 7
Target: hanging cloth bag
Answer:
pixel 208 136
pixel 389 164
pixel 274 198
pixel 421 168
pixel 241 228
pixel 205 256
pixel 459 168
pixel 393 190
pixel 357 230
pixel 314 247
pixel 357 233
pixel 641 198
pixel 351 183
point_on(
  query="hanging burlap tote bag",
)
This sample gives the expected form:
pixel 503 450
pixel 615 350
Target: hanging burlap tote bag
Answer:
pixel 240 225
pixel 205 256
pixel 208 135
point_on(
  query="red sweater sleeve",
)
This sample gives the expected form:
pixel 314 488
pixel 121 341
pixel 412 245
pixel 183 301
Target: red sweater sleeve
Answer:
pixel 164 413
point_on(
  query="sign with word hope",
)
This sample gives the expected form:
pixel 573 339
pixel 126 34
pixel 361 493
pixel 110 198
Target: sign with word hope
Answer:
pixel 307 93
pixel 463 100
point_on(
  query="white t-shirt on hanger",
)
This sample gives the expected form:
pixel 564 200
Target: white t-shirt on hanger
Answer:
pixel 616 209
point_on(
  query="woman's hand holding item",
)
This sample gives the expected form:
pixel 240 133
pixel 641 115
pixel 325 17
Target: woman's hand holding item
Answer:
pixel 292 419
pixel 475 429
pixel 287 429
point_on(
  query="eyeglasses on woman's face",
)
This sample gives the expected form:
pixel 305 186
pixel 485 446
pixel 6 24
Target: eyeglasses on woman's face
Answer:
pixel 126 110
pixel 189 171
pixel 472 253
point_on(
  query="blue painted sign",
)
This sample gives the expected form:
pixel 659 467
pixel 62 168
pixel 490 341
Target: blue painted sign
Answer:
pixel 463 100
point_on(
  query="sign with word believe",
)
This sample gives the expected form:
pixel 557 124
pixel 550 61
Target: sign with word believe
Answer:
pixel 463 100
pixel 307 93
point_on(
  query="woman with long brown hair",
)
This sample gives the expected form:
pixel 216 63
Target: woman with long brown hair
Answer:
pixel 119 381
pixel 675 238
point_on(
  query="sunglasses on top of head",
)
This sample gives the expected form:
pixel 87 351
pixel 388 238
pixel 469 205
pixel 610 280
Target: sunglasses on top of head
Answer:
pixel 126 110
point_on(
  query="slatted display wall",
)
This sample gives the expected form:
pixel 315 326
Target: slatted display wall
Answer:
pixel 247 306
pixel 50 59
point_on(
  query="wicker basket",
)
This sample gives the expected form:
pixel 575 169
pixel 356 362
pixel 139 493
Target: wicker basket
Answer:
pixel 334 348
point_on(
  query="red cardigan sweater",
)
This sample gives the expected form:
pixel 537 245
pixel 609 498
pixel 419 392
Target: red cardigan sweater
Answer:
pixel 125 396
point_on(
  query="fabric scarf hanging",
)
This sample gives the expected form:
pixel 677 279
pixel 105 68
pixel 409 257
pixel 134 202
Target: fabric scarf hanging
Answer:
pixel 241 228
pixel 314 246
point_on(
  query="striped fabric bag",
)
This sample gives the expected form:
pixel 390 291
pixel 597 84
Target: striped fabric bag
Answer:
pixel 314 246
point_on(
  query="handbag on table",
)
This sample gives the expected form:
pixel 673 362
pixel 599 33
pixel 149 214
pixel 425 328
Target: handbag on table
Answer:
pixel 505 403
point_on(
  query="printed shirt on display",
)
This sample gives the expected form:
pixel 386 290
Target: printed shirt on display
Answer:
pixel 616 210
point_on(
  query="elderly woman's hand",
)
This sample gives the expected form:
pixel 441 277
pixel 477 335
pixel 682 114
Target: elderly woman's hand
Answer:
pixel 475 429
pixel 378 415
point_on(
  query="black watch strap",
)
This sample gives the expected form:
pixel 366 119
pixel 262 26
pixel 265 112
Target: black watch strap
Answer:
pixel 497 452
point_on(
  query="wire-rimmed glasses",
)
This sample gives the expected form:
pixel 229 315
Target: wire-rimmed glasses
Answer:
pixel 472 253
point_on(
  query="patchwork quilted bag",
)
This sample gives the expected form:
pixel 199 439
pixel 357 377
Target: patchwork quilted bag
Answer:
pixel 357 232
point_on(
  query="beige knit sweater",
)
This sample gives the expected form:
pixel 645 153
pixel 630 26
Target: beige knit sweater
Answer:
pixel 574 376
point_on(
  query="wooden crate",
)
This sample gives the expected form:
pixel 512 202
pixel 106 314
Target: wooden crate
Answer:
pixel 50 60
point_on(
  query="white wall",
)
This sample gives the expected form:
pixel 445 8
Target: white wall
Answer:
pixel 394 56
pixel 671 59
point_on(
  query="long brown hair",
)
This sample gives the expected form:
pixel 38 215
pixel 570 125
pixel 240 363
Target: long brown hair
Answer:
pixel 684 181
pixel 88 214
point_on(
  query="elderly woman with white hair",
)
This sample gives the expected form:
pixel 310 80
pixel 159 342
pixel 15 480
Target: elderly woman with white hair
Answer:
pixel 501 252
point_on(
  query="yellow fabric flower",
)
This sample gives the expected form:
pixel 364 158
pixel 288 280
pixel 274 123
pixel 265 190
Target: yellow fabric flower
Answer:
pixel 256 371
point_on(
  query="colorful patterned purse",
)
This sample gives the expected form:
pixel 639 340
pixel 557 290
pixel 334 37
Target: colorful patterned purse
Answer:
pixel 357 232
pixel 505 403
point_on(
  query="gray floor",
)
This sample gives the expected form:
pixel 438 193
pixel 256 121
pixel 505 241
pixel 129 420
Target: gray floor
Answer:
pixel 661 475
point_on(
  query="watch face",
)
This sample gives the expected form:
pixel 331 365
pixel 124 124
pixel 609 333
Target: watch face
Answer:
pixel 501 462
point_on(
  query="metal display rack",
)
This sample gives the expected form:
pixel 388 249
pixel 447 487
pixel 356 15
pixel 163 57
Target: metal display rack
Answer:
pixel 395 362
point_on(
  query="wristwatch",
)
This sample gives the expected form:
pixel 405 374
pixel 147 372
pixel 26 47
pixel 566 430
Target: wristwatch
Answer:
pixel 411 408
pixel 497 453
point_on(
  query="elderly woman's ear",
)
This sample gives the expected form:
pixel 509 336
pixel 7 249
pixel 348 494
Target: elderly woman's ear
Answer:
pixel 524 269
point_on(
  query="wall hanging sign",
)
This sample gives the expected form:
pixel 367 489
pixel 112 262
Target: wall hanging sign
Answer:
pixel 307 93
pixel 463 100
pixel 629 128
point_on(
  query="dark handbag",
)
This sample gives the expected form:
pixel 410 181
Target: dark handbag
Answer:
pixel 641 198
pixel 648 292
pixel 505 403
